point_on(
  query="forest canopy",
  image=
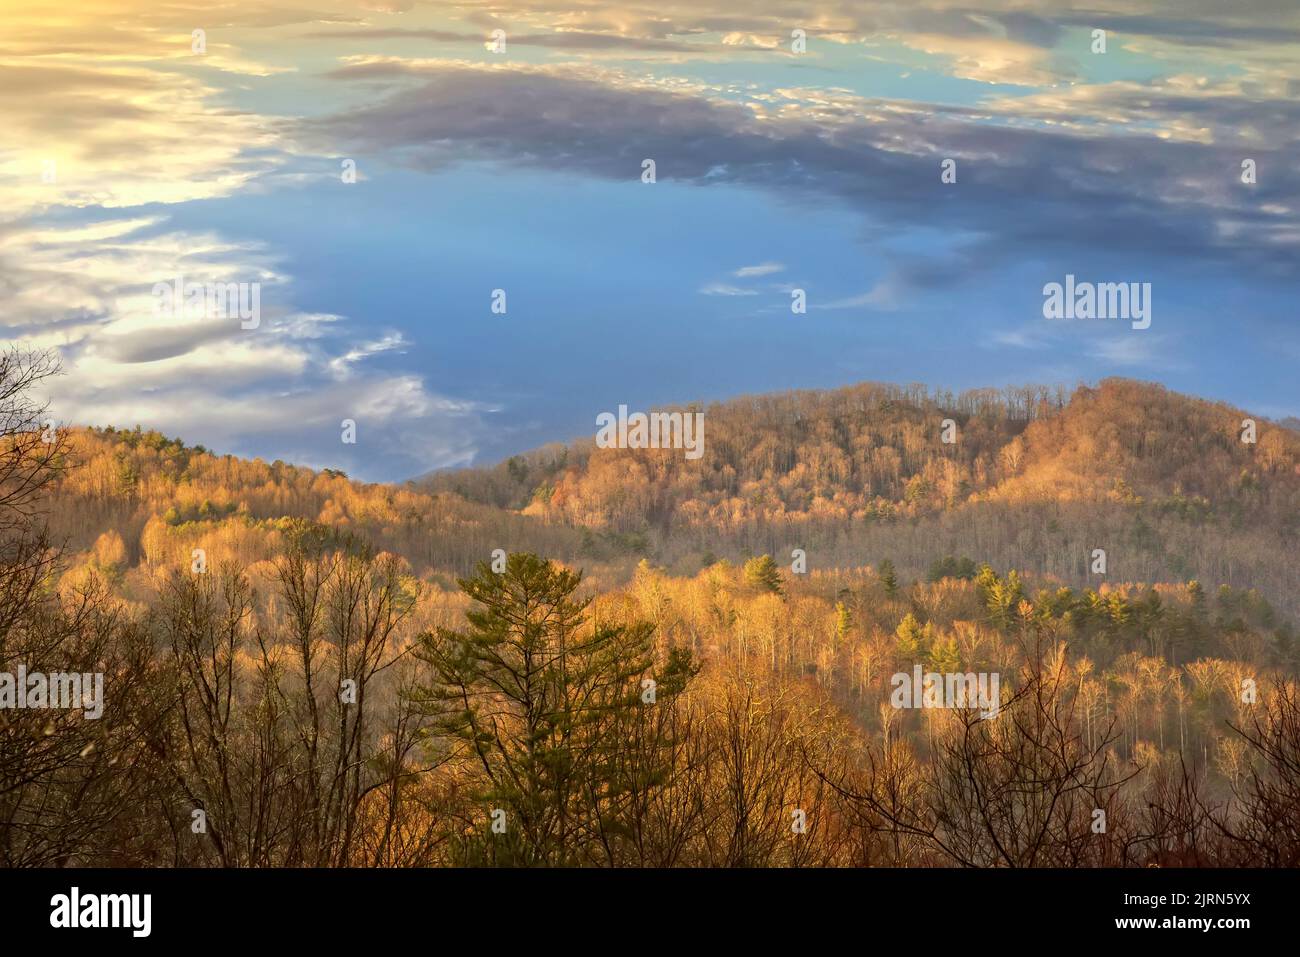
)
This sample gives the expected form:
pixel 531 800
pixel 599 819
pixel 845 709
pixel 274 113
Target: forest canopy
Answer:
pixel 609 657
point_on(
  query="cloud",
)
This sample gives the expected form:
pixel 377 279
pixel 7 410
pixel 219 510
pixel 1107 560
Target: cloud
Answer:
pixel 402 428
pixel 342 365
pixel 1131 349
pixel 284 385
pixel 119 136
pixel 762 269
pixel 1023 189
pixel 132 122
pixel 1000 41
pixel 991 59
pixel 571 40
pixel 879 296
pixel 1023 338
pixel 724 289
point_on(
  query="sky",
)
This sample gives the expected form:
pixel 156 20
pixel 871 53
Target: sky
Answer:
pixel 378 171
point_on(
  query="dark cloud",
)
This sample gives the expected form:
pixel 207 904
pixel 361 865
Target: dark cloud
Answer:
pixel 1188 29
pixel 151 345
pixel 1025 187
pixel 1027 28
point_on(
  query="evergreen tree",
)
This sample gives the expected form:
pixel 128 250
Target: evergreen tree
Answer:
pixel 1001 595
pixel 912 637
pixel 532 695
pixel 843 622
pixel 945 657
pixel 762 573
pixel 888 578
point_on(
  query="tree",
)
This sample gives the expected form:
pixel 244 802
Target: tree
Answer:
pixel 32 450
pixel 1021 789
pixel 1001 595
pixel 762 573
pixel 276 728
pixel 945 657
pixel 913 637
pixel 68 777
pixel 530 697
pixel 1268 831
pixel 843 622
pixel 888 578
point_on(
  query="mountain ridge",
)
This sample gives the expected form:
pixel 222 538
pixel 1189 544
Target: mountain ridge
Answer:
pixel 1037 479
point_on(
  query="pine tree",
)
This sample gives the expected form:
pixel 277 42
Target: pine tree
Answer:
pixel 889 578
pixel 532 696
pixel 945 657
pixel 913 637
pixel 762 573
pixel 843 622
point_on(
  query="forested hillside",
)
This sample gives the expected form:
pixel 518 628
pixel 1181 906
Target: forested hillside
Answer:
pixel 667 662
pixel 1035 480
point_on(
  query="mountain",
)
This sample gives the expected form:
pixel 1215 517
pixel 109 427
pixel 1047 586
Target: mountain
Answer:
pixel 1035 479
pixel 294 614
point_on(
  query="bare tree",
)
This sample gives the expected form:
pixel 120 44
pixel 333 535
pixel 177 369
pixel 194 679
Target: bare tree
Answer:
pixel 1019 789
pixel 67 776
pixel 1265 826
pixel 282 732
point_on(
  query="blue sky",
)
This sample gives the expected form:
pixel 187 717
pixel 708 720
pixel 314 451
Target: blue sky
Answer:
pixel 522 171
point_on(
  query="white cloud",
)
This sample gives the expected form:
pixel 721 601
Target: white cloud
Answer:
pixel 281 388
pixel 880 296
pixel 342 365
pixel 1130 348
pixel 1023 338
pixel 724 289
pixel 762 269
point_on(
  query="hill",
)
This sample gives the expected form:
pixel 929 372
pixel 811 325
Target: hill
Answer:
pixel 311 627
pixel 1036 479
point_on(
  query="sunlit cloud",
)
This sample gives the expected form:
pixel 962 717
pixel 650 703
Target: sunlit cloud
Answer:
pixel 121 135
